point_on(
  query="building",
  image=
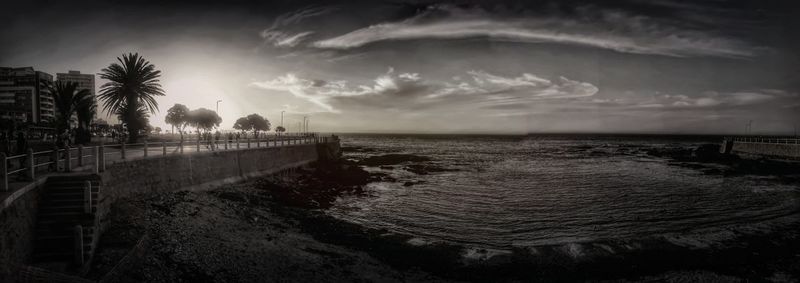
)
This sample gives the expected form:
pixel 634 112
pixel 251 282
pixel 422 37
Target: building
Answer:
pixel 85 81
pixel 23 96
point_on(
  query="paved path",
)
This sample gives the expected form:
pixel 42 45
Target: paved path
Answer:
pixel 113 154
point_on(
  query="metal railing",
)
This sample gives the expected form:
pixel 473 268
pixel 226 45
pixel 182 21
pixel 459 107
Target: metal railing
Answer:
pixel 772 140
pixel 25 167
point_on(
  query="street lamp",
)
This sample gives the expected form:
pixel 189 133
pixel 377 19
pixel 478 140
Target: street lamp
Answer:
pixel 218 101
pixel 282 118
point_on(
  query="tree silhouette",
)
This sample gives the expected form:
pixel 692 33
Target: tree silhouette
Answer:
pixel 258 123
pixel 140 121
pixel 253 122
pixel 243 124
pixel 86 109
pixel 67 98
pixel 177 116
pixel 204 119
pixel 133 85
pixel 280 129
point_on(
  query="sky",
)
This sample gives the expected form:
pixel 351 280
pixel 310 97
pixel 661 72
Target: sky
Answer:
pixel 627 66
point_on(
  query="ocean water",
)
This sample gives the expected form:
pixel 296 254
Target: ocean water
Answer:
pixel 503 192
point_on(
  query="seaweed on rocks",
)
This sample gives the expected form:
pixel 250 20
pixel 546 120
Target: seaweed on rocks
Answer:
pixel 319 185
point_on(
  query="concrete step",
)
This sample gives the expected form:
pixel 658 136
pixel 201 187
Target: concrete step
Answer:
pixel 62 188
pixel 65 202
pixel 65 256
pixel 65 244
pixel 64 218
pixel 70 188
pixel 73 182
pixel 66 195
pixel 62 237
pixel 58 209
pixel 90 177
pixel 61 230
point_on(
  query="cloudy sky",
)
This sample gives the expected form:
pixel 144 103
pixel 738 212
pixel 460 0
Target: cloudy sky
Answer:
pixel 662 66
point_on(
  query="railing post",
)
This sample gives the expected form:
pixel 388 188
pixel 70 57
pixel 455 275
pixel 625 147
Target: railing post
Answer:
pixel 181 146
pixel 101 158
pixel 96 155
pixel 67 159
pixel 122 150
pixel 55 159
pixel 198 144
pixel 32 164
pixel 226 144
pixel 248 142
pixel 80 155
pixel 145 148
pixel 237 143
pixel 4 172
pixel 164 148
pixel 77 233
pixel 87 196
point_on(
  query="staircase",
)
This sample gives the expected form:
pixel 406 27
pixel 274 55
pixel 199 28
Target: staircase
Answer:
pixel 62 207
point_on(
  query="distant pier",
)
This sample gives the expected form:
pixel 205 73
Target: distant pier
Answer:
pixel 771 147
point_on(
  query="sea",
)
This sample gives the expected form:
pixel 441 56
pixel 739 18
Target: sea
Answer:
pixel 501 193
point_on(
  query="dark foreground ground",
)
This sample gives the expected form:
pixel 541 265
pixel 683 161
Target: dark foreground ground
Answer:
pixel 275 230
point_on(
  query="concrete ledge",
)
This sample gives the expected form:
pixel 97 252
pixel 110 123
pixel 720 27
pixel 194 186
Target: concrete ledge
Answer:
pixel 773 150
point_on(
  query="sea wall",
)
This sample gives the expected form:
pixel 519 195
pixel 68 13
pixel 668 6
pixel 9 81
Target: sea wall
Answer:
pixel 197 171
pixel 776 150
pixel 201 171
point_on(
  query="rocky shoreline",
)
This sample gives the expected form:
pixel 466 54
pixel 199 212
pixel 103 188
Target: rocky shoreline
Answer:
pixel 276 229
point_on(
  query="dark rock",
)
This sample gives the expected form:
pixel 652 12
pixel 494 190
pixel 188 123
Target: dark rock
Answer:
pixel 319 186
pixel 233 196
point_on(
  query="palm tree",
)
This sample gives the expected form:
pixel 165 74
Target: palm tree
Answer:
pixel 133 86
pixel 141 119
pixel 67 98
pixel 86 110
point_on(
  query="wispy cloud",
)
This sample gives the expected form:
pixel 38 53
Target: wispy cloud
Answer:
pixel 612 30
pixel 278 37
pixel 394 90
pixel 707 100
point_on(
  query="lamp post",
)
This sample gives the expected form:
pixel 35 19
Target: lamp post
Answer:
pixel 282 118
pixel 218 101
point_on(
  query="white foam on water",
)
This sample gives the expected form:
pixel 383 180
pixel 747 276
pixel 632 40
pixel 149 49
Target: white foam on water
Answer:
pixel 481 254
pixel 575 250
pixel 418 242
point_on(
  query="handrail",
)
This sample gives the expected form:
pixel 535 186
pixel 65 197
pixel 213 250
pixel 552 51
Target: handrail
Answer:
pixel 57 157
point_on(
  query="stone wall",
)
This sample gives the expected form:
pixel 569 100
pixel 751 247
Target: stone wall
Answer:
pixel 200 171
pixel 17 228
pixel 787 151
pixel 197 171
